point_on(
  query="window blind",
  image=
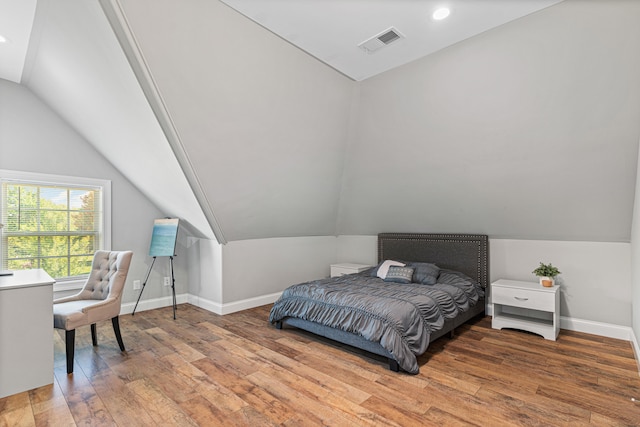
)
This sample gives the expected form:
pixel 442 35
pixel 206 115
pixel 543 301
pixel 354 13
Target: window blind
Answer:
pixel 51 226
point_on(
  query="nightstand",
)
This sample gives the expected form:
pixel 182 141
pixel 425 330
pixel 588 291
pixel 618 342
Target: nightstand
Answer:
pixel 527 306
pixel 347 268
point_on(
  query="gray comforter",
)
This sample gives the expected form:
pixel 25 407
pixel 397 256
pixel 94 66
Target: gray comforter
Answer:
pixel 401 317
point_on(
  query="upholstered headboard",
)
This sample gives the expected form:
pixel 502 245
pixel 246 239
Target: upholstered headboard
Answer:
pixel 467 253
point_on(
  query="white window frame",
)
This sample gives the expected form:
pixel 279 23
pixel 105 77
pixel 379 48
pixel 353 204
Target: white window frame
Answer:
pixel 44 179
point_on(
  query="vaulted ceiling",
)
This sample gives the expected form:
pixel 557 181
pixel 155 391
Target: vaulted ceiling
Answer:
pixel 527 130
pixel 340 32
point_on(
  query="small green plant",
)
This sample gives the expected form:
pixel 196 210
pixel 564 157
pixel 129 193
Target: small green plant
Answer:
pixel 546 270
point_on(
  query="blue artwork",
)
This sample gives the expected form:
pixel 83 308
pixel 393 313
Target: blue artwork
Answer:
pixel 163 239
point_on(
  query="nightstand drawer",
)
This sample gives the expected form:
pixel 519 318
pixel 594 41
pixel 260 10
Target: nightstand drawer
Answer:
pixel 527 306
pixel 523 298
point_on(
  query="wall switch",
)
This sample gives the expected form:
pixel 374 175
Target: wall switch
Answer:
pixel 136 285
pixel 167 281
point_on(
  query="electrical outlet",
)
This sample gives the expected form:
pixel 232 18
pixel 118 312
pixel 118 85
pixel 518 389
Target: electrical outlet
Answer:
pixel 136 285
pixel 167 281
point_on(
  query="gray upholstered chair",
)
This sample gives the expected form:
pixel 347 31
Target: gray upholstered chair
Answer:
pixel 98 300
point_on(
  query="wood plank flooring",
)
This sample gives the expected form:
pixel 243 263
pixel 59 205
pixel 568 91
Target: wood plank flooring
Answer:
pixel 237 370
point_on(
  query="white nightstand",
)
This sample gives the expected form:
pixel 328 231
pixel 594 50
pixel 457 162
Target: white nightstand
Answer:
pixel 347 268
pixel 527 306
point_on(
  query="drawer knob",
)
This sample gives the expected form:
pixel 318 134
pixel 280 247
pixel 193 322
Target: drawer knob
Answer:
pixel 521 299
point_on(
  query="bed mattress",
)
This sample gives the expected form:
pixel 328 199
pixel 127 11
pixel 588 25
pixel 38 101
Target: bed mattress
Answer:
pixel 400 317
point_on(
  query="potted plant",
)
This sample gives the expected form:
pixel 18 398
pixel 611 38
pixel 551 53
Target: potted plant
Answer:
pixel 547 274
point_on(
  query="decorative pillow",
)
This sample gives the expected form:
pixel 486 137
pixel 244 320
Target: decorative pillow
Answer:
pixel 424 272
pixel 383 268
pixel 399 274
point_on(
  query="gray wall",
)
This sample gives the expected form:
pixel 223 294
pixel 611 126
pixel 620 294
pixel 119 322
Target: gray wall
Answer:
pixel 253 268
pixel 35 139
pixel 635 271
pixel 528 131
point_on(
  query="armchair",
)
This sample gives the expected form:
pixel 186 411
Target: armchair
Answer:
pixel 98 300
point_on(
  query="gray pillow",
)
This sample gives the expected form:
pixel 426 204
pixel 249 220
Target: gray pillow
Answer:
pixel 399 274
pixel 382 268
pixel 424 272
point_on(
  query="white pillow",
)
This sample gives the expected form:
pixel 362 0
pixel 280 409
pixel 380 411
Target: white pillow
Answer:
pixel 384 268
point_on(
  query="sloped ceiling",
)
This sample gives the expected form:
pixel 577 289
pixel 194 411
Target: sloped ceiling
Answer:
pixel 264 124
pixel 16 21
pixel 77 67
pixel 529 130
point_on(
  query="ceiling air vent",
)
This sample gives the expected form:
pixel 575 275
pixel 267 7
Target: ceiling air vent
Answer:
pixel 383 39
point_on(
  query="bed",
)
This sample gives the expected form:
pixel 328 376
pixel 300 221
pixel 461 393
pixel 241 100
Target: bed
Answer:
pixel 390 317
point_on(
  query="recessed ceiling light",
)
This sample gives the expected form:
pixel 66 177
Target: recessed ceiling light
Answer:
pixel 441 13
pixel 3 39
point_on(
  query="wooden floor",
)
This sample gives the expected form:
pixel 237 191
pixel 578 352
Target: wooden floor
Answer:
pixel 209 370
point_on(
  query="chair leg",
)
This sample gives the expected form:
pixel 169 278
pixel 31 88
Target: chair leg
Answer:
pixel 94 335
pixel 116 329
pixel 70 341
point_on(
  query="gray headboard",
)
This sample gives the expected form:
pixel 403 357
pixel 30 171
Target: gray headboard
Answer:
pixel 467 253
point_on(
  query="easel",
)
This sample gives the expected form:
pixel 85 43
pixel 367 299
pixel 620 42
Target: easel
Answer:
pixel 173 286
pixel 163 243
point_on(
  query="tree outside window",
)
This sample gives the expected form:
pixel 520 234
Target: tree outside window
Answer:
pixel 54 227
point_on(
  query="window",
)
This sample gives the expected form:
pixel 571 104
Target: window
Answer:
pixel 52 222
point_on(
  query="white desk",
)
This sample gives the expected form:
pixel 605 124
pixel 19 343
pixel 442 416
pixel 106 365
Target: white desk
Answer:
pixel 26 331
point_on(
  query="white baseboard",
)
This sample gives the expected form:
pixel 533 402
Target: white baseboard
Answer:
pixel 636 349
pixel 596 328
pixel 235 306
pixel 212 306
pixel 150 304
